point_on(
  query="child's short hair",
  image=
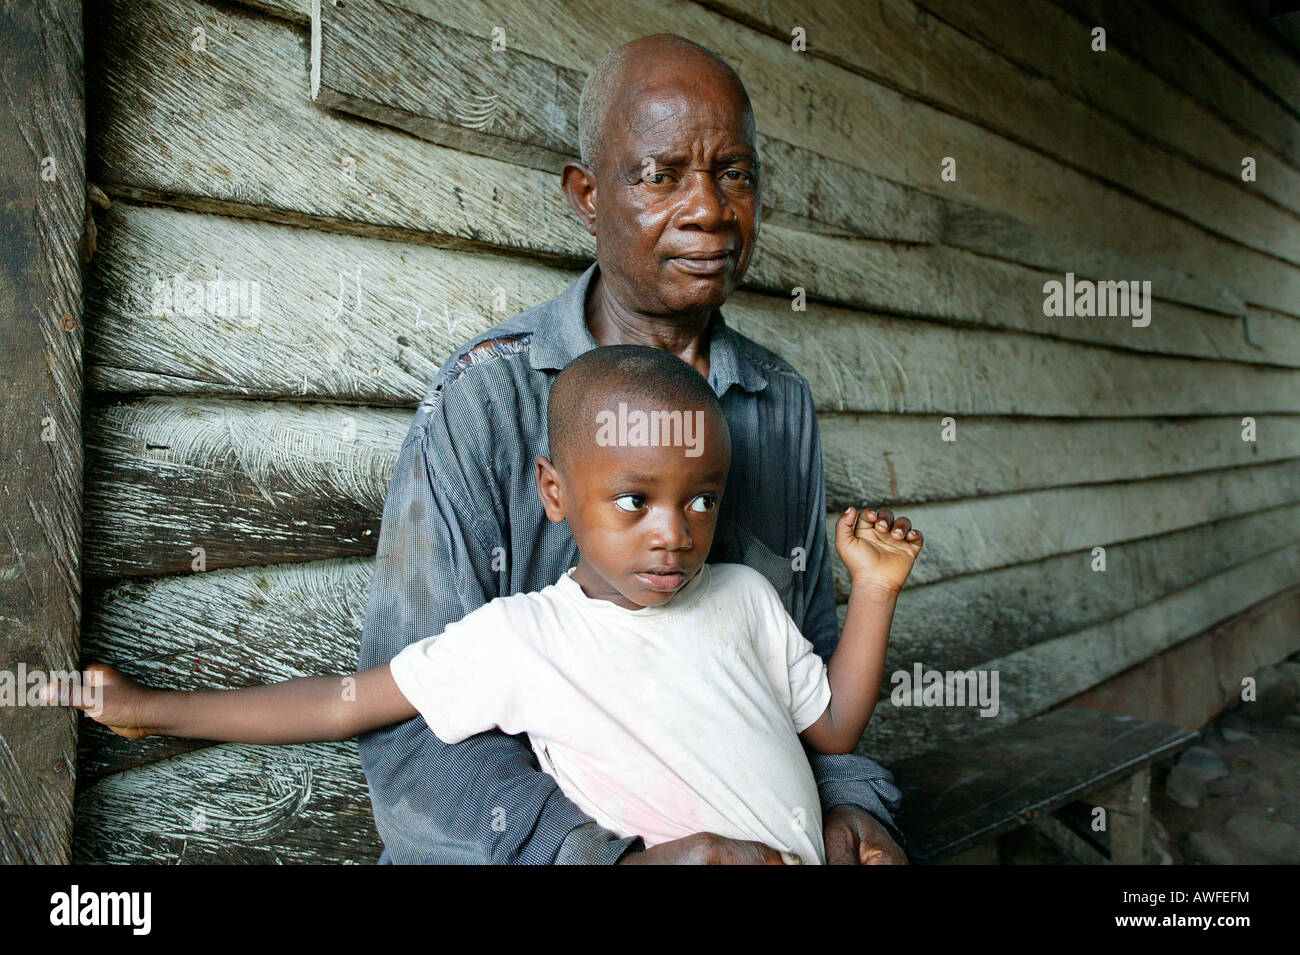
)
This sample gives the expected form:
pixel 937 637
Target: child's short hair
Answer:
pixel 637 374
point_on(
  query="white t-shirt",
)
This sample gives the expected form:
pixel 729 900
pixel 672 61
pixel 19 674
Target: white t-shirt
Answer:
pixel 658 722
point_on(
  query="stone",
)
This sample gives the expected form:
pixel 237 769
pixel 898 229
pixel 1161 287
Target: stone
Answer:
pixel 1184 787
pixel 1234 784
pixel 1210 848
pixel 1268 839
pixel 1231 735
pixel 1275 695
pixel 1203 763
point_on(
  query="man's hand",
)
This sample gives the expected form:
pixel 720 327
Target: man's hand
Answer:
pixel 854 837
pixel 709 848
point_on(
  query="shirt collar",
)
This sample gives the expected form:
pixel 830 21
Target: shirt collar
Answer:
pixel 562 335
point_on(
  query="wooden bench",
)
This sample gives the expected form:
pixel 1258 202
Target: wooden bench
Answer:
pixel 971 801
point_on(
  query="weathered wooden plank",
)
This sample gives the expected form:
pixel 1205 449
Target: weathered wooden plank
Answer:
pixel 806 100
pixel 961 621
pixel 801 187
pixel 224 628
pixel 1044 40
pixel 300 176
pixel 42 210
pixel 1032 680
pixel 1178 56
pixel 316 168
pixel 955 797
pixel 230 628
pixel 295 11
pixel 181 486
pixel 260 483
pixel 1257 53
pixel 924 57
pixel 900 458
pixel 232 805
pixel 981 534
pixel 346 318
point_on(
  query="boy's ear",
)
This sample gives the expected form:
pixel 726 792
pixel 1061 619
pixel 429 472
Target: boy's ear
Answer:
pixel 549 489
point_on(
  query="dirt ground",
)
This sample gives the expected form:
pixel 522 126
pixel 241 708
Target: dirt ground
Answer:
pixel 1234 798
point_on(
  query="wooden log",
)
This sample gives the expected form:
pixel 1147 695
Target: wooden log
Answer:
pixel 224 628
pixel 1044 40
pixel 42 211
pixel 981 534
pixel 820 102
pixel 1274 20
pixel 229 628
pixel 899 459
pixel 232 805
pixel 1252 51
pixel 958 622
pixel 346 318
pixel 299 176
pixel 801 187
pixel 1032 680
pixel 295 11
pixel 182 486
pixel 923 57
pixel 261 483
pixel 1179 57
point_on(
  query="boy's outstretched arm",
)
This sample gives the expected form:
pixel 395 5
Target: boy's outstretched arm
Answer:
pixel 304 710
pixel 878 560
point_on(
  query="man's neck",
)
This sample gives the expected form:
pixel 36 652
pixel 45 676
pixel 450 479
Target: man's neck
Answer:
pixel 611 323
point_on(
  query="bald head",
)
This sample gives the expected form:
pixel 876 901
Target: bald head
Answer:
pixel 675 54
pixel 642 377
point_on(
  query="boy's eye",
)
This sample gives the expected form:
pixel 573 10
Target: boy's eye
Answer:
pixel 630 502
pixel 704 503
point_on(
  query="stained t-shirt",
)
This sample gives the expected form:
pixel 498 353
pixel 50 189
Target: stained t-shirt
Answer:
pixel 660 722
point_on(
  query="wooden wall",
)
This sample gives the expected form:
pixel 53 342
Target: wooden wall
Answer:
pixel 389 181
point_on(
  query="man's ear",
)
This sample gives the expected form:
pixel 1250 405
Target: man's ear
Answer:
pixel 578 180
pixel 550 489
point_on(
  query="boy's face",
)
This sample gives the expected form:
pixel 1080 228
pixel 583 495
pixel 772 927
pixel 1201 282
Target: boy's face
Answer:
pixel 643 516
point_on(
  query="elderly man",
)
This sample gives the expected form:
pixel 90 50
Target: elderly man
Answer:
pixel 669 185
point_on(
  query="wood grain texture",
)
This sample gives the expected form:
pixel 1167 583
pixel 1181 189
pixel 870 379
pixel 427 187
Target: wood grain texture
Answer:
pixel 179 485
pixel 962 621
pixel 800 186
pixel 1044 40
pixel 194 101
pixel 1179 57
pixel 354 319
pixel 232 805
pixel 244 626
pixel 259 483
pixel 801 99
pixel 1236 37
pixel 925 58
pixel 42 209
pixel 223 628
pixel 1035 678
pixel 954 798
pixel 981 534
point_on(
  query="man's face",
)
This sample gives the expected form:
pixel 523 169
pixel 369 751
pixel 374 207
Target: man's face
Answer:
pixel 678 180
pixel 643 517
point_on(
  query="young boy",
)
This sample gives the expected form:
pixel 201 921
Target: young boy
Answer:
pixel 666 696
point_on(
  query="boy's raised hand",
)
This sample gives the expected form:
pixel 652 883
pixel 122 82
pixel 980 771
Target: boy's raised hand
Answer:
pixel 878 550
pixel 106 696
